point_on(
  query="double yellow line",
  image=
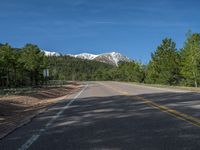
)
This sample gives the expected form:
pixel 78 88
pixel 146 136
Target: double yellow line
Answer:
pixel 187 118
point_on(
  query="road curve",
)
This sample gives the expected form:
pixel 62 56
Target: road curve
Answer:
pixel 114 116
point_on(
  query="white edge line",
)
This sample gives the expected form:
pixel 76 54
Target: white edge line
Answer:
pixel 34 137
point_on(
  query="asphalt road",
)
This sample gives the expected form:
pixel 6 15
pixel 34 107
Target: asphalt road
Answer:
pixel 114 116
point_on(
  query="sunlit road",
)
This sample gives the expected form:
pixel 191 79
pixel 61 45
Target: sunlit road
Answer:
pixel 114 116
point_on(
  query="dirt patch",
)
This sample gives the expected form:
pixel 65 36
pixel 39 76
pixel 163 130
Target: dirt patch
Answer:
pixel 16 109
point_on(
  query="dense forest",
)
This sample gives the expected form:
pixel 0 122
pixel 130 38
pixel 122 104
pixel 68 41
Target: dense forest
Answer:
pixel 21 67
pixel 168 66
pixel 69 68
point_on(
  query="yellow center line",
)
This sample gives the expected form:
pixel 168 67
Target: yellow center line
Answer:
pixel 179 115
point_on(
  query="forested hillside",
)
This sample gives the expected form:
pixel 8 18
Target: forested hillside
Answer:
pixel 70 68
pixel 168 66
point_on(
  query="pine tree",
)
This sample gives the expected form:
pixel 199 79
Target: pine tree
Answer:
pixel 190 55
pixel 164 67
pixel 33 62
pixel 7 64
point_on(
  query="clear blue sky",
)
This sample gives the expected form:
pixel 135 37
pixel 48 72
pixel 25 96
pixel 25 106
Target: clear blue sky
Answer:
pixel 132 27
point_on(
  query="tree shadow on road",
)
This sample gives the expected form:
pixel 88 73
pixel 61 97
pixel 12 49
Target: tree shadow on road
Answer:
pixel 121 122
pixel 124 122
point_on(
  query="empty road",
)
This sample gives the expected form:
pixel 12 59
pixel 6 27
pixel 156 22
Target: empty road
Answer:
pixel 114 116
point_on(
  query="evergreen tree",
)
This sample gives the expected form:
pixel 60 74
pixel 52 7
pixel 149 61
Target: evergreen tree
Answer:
pixel 33 62
pixel 190 56
pixel 164 67
pixel 129 71
pixel 7 64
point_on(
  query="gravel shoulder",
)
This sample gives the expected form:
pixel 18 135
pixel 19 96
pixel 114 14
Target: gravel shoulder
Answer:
pixel 17 110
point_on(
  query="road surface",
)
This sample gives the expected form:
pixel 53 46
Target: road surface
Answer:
pixel 114 116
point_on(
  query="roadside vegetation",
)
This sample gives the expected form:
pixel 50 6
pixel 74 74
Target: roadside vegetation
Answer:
pixel 168 66
pixel 21 67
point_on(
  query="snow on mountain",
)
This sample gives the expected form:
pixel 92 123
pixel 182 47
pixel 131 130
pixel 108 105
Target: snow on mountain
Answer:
pixel 111 58
pixel 48 53
pixel 86 56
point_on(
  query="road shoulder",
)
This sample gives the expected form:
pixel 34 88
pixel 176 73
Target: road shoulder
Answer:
pixel 18 110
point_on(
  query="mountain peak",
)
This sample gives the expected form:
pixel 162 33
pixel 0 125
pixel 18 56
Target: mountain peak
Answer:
pixel 111 58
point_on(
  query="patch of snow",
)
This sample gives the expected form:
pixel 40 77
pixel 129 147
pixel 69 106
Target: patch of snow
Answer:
pixel 86 56
pixel 48 53
pixel 115 57
pixel 111 58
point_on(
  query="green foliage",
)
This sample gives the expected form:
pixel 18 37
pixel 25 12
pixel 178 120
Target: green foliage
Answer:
pixel 33 62
pixel 20 66
pixel 190 55
pixel 69 68
pixel 7 64
pixel 164 67
pixel 31 57
pixel 129 71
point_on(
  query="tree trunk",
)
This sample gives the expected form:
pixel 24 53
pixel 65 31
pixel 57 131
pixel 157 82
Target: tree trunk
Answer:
pixel 195 82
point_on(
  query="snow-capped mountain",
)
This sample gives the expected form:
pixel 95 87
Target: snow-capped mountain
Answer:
pixel 48 53
pixel 86 56
pixel 111 58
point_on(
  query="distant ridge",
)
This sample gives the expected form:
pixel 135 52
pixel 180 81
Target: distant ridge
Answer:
pixel 112 58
